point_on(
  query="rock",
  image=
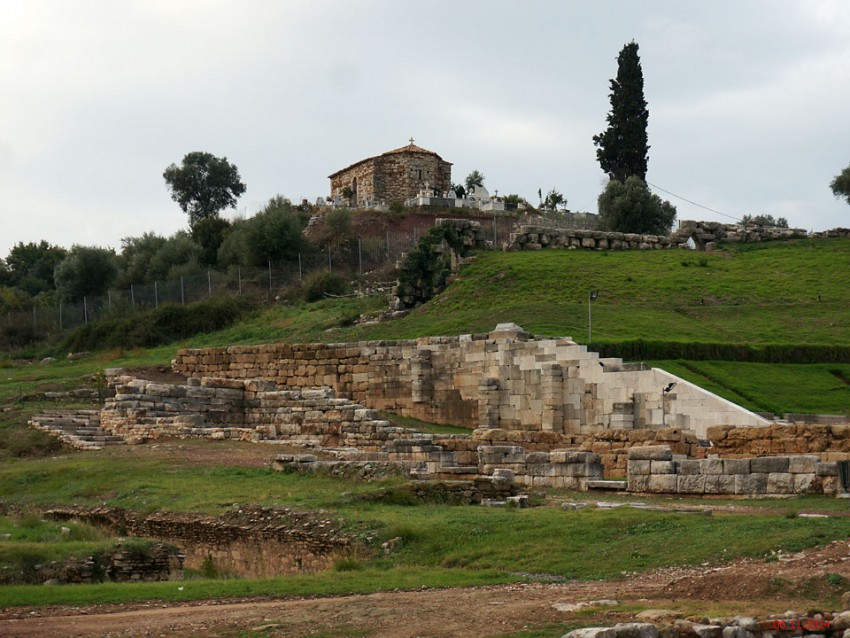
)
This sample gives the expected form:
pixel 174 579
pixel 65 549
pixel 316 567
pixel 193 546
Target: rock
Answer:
pixel 635 630
pixel 656 616
pixel 591 632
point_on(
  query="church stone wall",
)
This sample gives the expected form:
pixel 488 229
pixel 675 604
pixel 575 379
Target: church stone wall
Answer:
pixel 394 176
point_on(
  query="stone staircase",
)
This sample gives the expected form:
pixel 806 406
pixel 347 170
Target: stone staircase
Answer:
pixel 78 428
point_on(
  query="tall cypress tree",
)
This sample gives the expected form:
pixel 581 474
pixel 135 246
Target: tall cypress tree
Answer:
pixel 622 149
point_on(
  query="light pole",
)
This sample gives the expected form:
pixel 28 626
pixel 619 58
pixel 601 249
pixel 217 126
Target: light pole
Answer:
pixel 664 394
pixel 590 299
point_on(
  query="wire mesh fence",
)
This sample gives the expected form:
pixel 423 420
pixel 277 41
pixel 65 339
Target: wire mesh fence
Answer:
pixel 362 257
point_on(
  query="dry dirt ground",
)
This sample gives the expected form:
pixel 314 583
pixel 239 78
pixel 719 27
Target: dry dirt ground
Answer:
pixel 752 586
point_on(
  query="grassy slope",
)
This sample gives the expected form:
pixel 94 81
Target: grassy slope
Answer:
pixel 757 294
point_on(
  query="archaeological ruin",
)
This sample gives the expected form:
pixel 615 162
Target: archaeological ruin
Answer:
pixel 540 412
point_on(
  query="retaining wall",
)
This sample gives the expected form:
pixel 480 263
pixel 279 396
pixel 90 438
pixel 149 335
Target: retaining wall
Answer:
pixel 656 470
pixel 503 379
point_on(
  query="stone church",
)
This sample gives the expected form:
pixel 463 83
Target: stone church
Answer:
pixel 396 175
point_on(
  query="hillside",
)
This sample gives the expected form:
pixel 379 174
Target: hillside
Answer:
pixel 791 293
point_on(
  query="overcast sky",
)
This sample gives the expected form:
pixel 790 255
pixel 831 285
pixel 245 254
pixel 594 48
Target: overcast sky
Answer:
pixel 748 101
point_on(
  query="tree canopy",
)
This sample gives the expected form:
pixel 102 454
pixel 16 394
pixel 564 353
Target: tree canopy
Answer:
pixel 841 184
pixel 87 270
pixel 475 178
pixel 630 207
pixel 622 149
pixel 203 185
pixel 30 266
pixel 765 220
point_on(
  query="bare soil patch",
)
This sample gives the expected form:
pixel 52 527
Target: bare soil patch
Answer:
pixel 751 586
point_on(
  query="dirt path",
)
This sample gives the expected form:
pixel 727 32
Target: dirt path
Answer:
pixel 749 586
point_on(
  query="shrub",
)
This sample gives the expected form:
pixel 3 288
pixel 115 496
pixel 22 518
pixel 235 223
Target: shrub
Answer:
pixel 321 283
pixel 163 325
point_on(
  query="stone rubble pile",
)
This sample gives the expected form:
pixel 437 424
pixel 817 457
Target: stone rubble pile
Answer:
pixel 671 625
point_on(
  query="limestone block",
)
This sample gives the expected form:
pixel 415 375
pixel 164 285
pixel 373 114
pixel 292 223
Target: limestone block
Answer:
pixel 711 466
pixel 768 464
pixel 803 464
pixel 638 482
pixel 689 467
pixel 829 468
pixel 690 484
pixel 639 467
pixel 736 466
pixel 807 484
pixel 750 483
pixel 831 485
pixel 662 483
pixel 651 453
pixel 662 467
pixel 591 632
pixel 635 630
pixel 719 484
pixel 780 483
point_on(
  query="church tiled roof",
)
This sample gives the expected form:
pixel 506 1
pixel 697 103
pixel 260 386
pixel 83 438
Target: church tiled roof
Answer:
pixel 410 148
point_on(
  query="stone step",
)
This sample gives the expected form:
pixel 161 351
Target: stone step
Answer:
pixel 607 484
pixel 79 429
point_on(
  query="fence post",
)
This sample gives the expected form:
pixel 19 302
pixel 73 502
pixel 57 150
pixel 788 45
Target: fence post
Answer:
pixel 155 295
pixel 300 274
pixel 239 276
pixel 61 328
pixel 330 266
pixel 132 296
pixel 388 245
pixel 109 300
pixel 85 310
pixel 34 326
pixel 182 292
pixel 360 256
pixel 495 244
pixel 270 276
pixel 209 283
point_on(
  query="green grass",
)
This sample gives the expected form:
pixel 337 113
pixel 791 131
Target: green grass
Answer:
pixel 747 295
pixel 422 426
pixel 777 388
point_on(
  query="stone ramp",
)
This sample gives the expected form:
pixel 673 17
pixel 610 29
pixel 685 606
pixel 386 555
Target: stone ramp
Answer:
pixel 78 428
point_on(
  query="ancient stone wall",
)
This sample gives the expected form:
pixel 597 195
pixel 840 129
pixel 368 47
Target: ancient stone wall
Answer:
pixel 249 410
pixel 656 470
pixel 829 442
pixel 690 234
pixel 503 379
pixel 251 542
pixel 570 469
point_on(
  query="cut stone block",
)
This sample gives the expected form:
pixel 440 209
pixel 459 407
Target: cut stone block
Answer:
pixel 780 483
pixel 662 467
pixel 768 464
pixel 736 466
pixel 639 467
pixel 711 466
pixel 662 483
pixel 719 484
pixel 651 453
pixel 804 464
pixel 750 483
pixel 829 468
pixel 690 484
pixel 690 467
